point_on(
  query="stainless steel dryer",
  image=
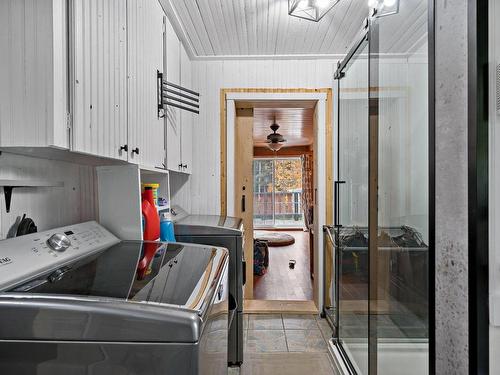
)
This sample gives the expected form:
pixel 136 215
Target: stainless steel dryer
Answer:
pixel 227 232
pixel 79 301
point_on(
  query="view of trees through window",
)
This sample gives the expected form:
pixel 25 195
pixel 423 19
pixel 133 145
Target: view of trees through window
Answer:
pixel 277 192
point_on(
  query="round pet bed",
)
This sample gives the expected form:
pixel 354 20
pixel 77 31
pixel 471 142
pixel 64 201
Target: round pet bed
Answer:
pixel 274 239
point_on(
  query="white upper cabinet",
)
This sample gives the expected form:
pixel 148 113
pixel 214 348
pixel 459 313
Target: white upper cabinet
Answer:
pixel 99 78
pixel 33 74
pixel 186 117
pixel 83 77
pixel 173 114
pixel 146 143
pixel 179 121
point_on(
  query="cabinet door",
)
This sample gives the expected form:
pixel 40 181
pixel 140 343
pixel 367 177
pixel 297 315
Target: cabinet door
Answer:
pixel 146 140
pixel 173 114
pixel 186 117
pixel 99 77
pixel 172 54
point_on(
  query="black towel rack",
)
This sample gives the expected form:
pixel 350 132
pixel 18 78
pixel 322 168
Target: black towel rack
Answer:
pixel 170 94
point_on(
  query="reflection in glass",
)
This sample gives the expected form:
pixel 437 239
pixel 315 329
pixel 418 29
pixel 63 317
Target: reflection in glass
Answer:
pixel 352 239
pixel 383 298
pixel 402 253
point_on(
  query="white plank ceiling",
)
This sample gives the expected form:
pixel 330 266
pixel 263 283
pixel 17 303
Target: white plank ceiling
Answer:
pixel 263 27
pixel 228 28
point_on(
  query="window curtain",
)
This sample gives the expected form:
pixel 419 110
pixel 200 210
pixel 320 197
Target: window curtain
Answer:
pixel 307 189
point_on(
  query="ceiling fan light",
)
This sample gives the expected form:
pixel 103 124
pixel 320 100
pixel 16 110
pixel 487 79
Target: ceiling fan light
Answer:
pixel 275 146
pixel 275 140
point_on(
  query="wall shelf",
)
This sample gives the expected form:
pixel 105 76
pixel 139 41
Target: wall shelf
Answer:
pixel 9 185
pixel 153 170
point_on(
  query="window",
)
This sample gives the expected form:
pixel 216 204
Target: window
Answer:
pixel 277 193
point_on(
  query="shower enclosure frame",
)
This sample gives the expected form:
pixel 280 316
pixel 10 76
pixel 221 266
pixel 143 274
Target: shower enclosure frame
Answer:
pixel 370 35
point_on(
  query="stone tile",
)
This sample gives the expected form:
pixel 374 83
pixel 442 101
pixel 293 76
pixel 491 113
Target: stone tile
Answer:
pixel 216 341
pixel 325 328
pixel 265 321
pixel 265 341
pixel 287 364
pixel 305 341
pixel 292 321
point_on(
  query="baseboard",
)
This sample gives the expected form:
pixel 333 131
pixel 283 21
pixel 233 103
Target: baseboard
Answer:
pixel 257 306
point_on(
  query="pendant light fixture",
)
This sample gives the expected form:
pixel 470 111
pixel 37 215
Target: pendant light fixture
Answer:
pixel 312 10
pixel 275 141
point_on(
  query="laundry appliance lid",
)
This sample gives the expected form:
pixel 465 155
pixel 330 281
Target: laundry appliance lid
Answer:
pixel 205 225
pixel 130 291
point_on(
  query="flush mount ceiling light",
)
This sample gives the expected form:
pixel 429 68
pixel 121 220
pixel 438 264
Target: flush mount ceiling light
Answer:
pixel 275 141
pixel 384 7
pixel 312 10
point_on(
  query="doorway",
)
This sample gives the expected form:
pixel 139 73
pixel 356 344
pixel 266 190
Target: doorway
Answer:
pixel 237 183
pixel 282 208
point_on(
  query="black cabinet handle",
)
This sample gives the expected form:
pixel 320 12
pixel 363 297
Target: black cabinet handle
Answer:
pixel 243 203
pixel 124 148
pixel 184 166
pixel 179 166
pixel 135 151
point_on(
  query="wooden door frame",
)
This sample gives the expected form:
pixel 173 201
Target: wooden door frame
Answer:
pixel 247 94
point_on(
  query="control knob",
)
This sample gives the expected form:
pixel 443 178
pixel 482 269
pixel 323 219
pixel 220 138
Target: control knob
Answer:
pixel 58 242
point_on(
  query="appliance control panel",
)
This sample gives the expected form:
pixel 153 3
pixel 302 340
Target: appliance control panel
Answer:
pixel 26 257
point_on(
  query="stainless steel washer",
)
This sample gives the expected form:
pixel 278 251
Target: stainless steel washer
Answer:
pixel 97 305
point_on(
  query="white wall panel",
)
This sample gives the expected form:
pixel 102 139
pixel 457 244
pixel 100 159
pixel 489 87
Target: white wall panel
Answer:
pixel 211 76
pixel 180 190
pixel 49 207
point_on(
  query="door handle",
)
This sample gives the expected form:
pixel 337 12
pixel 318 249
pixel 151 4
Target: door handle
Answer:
pixel 243 203
pixel 336 198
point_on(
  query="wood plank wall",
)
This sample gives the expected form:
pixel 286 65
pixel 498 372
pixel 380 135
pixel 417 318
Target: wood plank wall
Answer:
pixel 49 207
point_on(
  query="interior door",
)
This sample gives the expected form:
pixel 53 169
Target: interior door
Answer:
pixel 145 58
pixel 99 77
pixel 352 209
pixel 243 186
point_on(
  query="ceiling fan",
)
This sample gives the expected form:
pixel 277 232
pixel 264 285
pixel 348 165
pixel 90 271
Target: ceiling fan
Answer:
pixel 275 141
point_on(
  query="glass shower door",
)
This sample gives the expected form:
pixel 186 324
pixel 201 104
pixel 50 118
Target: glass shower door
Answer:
pixel 351 235
pixel 401 280
pixel 382 195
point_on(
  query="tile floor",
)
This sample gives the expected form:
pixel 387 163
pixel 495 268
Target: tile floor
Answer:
pixel 279 344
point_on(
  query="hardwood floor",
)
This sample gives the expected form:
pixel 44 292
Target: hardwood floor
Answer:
pixel 282 283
